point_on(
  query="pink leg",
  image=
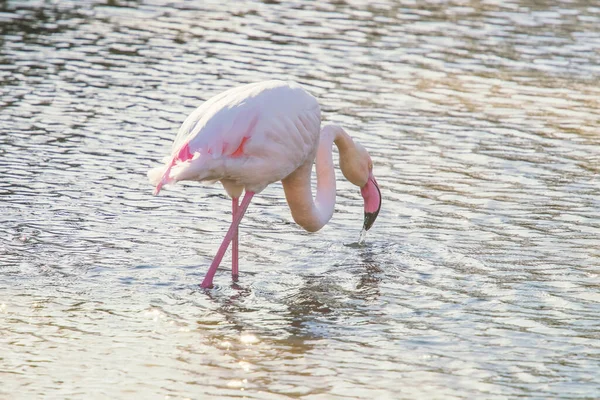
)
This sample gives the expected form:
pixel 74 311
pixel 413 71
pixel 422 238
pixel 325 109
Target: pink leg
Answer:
pixel 207 282
pixel 234 242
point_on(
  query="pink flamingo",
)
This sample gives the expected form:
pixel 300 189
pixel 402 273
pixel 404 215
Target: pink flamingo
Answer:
pixel 251 136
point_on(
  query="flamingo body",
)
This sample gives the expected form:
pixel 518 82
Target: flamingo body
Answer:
pixel 250 136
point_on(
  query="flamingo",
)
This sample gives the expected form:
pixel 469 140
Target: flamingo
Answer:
pixel 257 134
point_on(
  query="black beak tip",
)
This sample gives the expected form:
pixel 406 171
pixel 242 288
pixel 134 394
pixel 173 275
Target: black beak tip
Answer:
pixel 369 220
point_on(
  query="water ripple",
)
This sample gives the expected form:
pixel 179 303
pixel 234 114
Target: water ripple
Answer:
pixel 479 279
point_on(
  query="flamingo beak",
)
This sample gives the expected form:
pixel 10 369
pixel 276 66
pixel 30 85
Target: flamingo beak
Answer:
pixel 372 197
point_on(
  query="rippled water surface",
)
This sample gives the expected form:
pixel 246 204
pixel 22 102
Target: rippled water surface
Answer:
pixel 480 279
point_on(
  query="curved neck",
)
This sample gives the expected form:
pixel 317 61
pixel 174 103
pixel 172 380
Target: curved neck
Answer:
pixel 311 214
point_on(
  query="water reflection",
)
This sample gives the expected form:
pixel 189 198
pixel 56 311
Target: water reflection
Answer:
pixel 369 280
pixel 304 308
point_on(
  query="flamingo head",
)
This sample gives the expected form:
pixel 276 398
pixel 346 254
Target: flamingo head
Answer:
pixel 359 171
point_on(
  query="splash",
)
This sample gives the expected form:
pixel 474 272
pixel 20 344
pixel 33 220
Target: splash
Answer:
pixel 362 238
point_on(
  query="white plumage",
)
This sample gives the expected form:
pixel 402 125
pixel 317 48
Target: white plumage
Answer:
pixel 273 126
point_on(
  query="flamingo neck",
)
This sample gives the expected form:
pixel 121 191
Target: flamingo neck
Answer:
pixel 311 214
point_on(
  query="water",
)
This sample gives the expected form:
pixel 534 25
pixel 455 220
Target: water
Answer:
pixel 480 278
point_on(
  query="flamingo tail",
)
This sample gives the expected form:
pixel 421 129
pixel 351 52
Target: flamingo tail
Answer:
pixel 161 176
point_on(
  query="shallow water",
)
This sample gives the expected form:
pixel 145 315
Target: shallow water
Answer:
pixel 480 278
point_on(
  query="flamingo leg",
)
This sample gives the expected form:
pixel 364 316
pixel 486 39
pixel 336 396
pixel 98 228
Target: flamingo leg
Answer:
pixel 234 242
pixel 207 282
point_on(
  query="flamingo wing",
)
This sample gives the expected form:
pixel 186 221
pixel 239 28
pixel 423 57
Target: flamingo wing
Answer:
pixel 259 116
pixel 217 113
pixel 220 126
